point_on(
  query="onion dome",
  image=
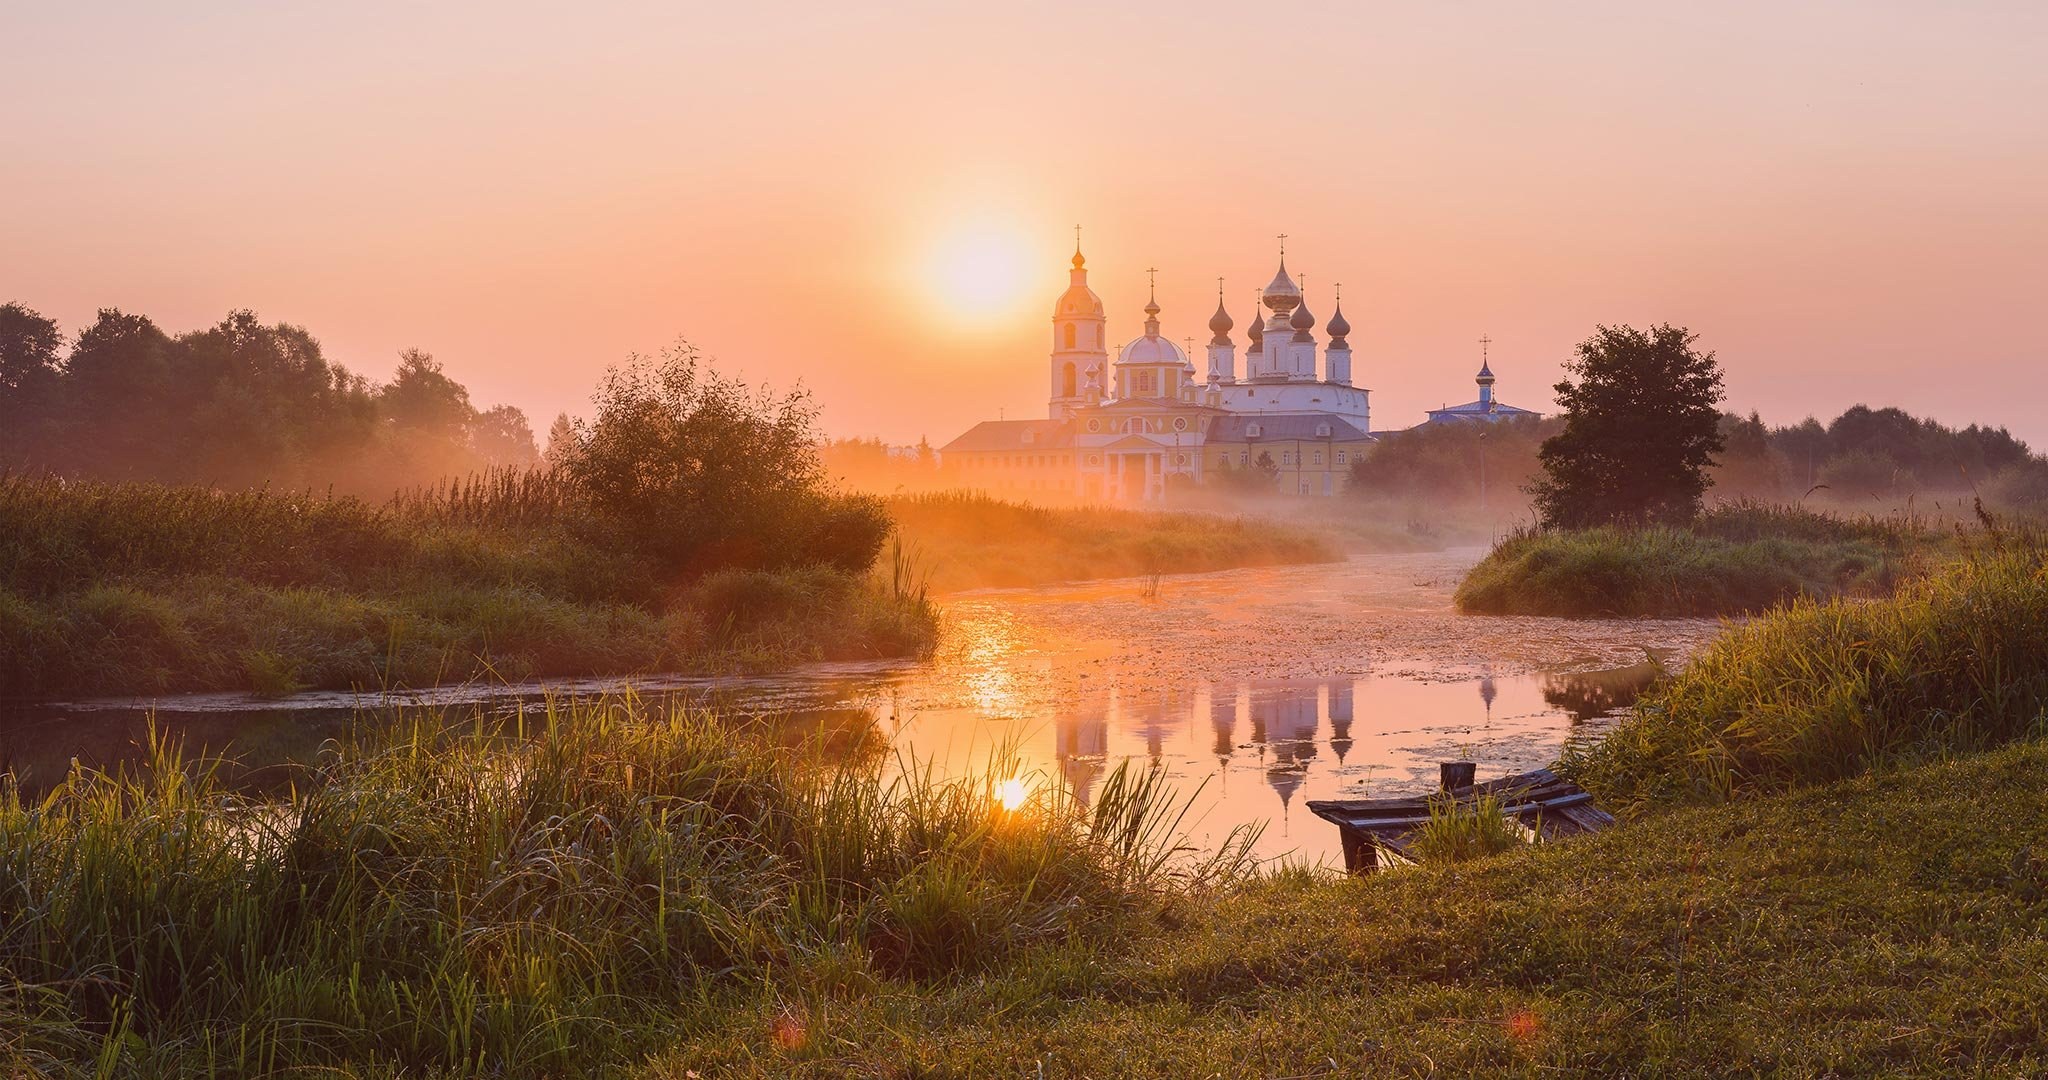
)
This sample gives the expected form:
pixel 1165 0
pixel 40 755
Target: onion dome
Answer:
pixel 1338 327
pixel 1302 322
pixel 1256 330
pixel 1079 300
pixel 1219 323
pixel 1281 293
pixel 1485 372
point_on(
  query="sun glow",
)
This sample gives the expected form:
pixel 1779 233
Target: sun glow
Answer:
pixel 1012 793
pixel 979 270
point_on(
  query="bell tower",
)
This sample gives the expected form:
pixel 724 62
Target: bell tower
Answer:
pixel 1080 340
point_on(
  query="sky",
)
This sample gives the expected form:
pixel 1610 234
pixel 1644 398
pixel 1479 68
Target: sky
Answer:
pixel 1848 202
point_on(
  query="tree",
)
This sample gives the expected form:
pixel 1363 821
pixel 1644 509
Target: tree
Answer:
pixel 501 436
pixel 120 389
pixel 561 442
pixel 420 397
pixel 702 471
pixel 28 377
pixel 1641 425
pixel 28 349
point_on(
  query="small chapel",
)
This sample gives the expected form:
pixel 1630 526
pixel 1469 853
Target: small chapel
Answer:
pixel 1291 421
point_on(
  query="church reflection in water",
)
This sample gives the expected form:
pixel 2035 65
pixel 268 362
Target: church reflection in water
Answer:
pixel 1280 730
pixel 1328 738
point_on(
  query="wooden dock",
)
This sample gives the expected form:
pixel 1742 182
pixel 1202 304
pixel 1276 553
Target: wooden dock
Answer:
pixel 1377 830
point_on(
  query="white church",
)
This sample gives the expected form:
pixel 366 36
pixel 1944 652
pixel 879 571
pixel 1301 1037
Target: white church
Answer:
pixel 1291 422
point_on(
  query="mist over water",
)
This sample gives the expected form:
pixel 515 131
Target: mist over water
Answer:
pixel 1256 690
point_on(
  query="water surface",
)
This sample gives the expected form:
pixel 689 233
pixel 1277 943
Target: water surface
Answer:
pixel 1255 690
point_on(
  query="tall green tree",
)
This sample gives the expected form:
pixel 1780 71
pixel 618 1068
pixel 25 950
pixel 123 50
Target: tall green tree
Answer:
pixel 1641 426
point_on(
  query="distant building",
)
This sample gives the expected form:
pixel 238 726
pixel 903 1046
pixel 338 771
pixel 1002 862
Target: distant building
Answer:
pixel 1132 428
pixel 1485 410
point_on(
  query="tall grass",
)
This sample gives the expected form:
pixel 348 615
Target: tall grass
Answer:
pixel 1734 559
pixel 1459 832
pixel 974 541
pixel 1827 689
pixel 138 588
pixel 450 901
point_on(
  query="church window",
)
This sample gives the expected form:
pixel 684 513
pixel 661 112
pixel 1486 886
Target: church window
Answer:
pixel 1070 335
pixel 1145 382
pixel 1094 425
pixel 1180 459
pixel 1244 457
pixel 1286 457
pixel 1067 379
pixel 1319 457
pixel 1180 423
pixel 1340 457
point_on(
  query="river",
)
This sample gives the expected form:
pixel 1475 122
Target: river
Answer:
pixel 1256 690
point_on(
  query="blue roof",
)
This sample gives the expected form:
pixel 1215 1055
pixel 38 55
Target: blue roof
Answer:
pixel 1232 428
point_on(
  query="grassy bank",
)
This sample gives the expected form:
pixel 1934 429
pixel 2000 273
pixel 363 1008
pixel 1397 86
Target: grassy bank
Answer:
pixel 1954 663
pixel 459 902
pixel 1876 927
pixel 663 896
pixel 972 541
pixel 141 588
pixel 1732 560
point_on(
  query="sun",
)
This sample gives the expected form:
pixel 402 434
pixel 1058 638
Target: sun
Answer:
pixel 978 269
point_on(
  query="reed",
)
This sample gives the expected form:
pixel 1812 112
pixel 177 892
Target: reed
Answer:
pixel 449 899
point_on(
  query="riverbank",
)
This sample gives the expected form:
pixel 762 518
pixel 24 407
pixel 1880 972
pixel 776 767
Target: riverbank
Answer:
pixel 668 896
pixel 1731 560
pixel 147 588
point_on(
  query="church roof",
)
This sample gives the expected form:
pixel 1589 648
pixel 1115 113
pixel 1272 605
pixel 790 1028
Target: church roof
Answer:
pixel 1234 428
pixel 998 435
pixel 1151 349
pixel 1478 410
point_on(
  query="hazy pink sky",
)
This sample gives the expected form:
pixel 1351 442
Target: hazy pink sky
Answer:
pixel 1848 201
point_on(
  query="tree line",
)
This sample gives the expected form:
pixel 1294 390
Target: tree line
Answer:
pixel 241 403
pixel 1641 437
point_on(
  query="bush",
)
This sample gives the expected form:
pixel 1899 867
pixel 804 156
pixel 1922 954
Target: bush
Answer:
pixel 703 472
